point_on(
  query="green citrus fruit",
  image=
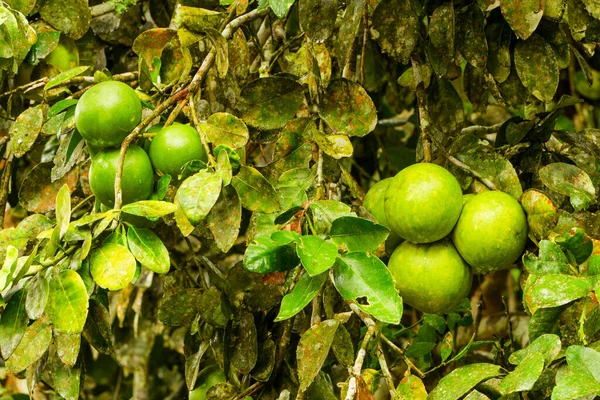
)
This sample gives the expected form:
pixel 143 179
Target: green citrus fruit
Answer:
pixel 373 202
pixel 173 147
pixel 107 113
pixel 137 180
pixel 430 277
pixel 65 56
pixel 207 378
pixel 491 231
pixel 467 197
pixel 423 203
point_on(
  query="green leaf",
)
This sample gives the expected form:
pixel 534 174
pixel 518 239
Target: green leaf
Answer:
pixel 245 343
pixel 66 379
pixel 68 307
pixel 305 290
pixel 547 345
pixel 593 8
pixel 522 16
pixel 65 76
pixel 281 7
pixel 411 387
pixel 540 78
pixel 447 345
pixel 313 349
pixel 112 266
pixel 397 28
pixel 32 347
pixel 571 181
pixel 577 243
pixel 324 212
pixel 364 276
pixel 343 347
pixel 179 308
pixel 358 234
pixel 37 297
pixel 61 106
pixel 542 214
pixel 554 290
pixel 269 103
pixel 579 379
pixel 348 30
pixel 292 186
pixel 458 382
pixel 498 37
pixel 63 209
pixel 256 193
pixel 584 360
pixel 525 375
pixel 224 128
pixel 224 167
pixel 317 18
pixel 336 146
pixel 265 255
pixel 348 109
pixel 149 208
pixel 26 130
pixel 7 273
pixel 316 254
pixel 470 35
pixel 13 323
pixel 221 50
pixel 70 17
pixel 67 347
pixel 225 218
pixel 198 194
pixel 148 249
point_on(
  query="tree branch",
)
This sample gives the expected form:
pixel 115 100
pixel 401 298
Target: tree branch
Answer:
pixel 423 113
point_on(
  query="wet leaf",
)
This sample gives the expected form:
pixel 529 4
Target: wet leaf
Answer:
pixel 396 28
pixel 256 193
pixel 224 128
pixel 317 18
pixel 540 78
pixel 112 266
pixel 313 349
pixel 198 194
pixel 411 387
pixel 32 347
pixel 37 297
pixel 68 307
pixel 541 213
pixel 522 16
pixel 347 108
pixel 266 254
pixel 269 103
pixel 348 30
pixel 26 129
pixel 547 345
pixel 13 323
pixel 149 208
pixel 470 35
pixel 148 249
pixel 70 17
pixel 554 290
pixel 225 218
pixel 301 295
pixel 245 343
pixel 316 254
pixel 525 375
pixel 65 76
pixel 364 278
pixel 571 181
pixel 461 380
pixel 179 308
pixel 358 234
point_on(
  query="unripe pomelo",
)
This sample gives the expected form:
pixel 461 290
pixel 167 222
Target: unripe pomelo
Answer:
pixel 107 113
pixel 207 378
pixel 373 202
pixel 423 203
pixel 491 232
pixel 431 277
pixel 65 56
pixel 137 181
pixel 174 146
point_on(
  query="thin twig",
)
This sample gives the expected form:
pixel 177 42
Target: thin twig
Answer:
pixel 282 49
pixel 394 121
pixel 6 174
pixel 479 130
pixel 23 88
pixel 249 391
pixel 362 352
pixel 423 113
pixel 316 309
pixel 385 370
pixel 400 352
pixel 176 112
pixel 364 44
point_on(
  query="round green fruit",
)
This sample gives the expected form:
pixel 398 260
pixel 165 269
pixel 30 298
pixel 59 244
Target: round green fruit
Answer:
pixel 207 378
pixel 373 202
pixel 423 203
pixel 430 277
pixel 137 181
pixel 491 232
pixel 65 56
pixel 173 147
pixel 107 113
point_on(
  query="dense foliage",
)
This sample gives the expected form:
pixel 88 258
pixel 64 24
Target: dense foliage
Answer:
pixel 259 261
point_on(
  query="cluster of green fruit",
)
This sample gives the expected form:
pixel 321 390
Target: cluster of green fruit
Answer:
pixel 448 236
pixel 104 116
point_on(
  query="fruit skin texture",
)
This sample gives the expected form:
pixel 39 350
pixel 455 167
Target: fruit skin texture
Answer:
pixel 137 181
pixel 107 113
pixel 173 147
pixel 423 203
pixel 65 56
pixel 431 277
pixel 207 378
pixel 491 232
pixel 373 202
